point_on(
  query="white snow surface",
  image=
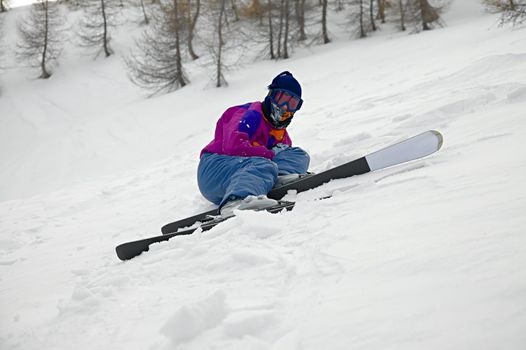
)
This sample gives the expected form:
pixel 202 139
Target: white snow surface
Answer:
pixel 427 255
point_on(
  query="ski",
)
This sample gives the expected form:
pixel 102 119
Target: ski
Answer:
pixel 407 150
pixel 131 249
pixel 413 148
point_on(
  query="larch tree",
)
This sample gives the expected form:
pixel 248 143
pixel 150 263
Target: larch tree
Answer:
pixel 235 10
pixel 145 20
pixel 2 49
pixel 220 37
pixel 358 17
pixel 157 62
pixel 300 18
pixel 270 29
pixel 286 32
pixel 72 4
pixel 96 25
pixel 371 15
pixel 40 36
pixel 381 4
pixel 279 23
pixel 512 11
pixel 423 13
pixel 192 12
pixel 515 13
pixel 401 8
pixel 4 5
pixel 221 17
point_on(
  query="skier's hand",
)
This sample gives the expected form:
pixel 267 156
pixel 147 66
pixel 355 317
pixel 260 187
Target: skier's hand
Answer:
pixel 279 147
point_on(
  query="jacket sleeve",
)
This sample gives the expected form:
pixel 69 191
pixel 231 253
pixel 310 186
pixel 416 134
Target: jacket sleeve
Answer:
pixel 237 133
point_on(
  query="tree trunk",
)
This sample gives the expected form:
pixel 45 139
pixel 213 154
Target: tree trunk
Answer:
pixel 178 58
pixel 45 74
pixel 428 14
pixel 325 34
pixel 339 6
pixel 362 28
pixel 402 17
pixel 107 51
pixel 371 14
pixel 146 20
pixel 381 10
pixel 191 29
pixel 234 9
pixel 280 31
pixel 271 30
pixel 219 74
pixel 286 36
pixel 300 15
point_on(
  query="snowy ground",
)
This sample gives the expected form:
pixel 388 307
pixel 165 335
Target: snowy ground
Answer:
pixel 429 255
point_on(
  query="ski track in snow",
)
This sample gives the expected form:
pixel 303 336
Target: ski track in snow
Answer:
pixel 430 254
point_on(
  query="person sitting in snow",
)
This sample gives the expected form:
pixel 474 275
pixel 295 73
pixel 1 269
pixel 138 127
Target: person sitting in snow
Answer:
pixel 251 148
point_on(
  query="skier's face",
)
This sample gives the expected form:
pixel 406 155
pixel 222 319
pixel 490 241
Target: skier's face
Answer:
pixel 279 116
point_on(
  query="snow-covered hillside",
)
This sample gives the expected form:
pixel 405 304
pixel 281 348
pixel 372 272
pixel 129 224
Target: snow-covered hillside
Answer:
pixel 428 255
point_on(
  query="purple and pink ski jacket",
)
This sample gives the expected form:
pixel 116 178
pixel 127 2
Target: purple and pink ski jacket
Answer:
pixel 243 131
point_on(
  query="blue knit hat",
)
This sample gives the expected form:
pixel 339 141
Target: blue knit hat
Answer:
pixel 285 81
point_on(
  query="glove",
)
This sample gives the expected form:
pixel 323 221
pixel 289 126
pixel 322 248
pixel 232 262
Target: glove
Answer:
pixel 279 147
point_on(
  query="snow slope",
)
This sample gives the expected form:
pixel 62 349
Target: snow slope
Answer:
pixel 428 255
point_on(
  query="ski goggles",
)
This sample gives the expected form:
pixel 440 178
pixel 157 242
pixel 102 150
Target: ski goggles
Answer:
pixel 284 97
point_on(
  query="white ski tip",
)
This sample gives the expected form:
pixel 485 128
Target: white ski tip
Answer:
pixel 412 148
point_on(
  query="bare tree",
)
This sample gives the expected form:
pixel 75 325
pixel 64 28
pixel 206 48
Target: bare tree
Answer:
pixel 381 10
pixel 97 22
pixel 358 15
pixel 340 5
pixel 220 39
pixel 157 63
pixel 146 20
pixel 2 50
pixel 371 15
pixel 192 21
pixel 220 78
pixel 270 30
pixel 254 10
pixel 283 28
pixel 402 15
pixel 4 5
pixel 423 13
pixel 286 15
pixel 40 36
pixel 72 4
pixel 300 18
pixel 280 28
pixel 512 11
pixel 235 10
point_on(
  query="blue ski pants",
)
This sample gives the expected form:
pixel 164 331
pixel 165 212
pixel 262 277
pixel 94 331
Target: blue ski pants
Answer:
pixel 223 178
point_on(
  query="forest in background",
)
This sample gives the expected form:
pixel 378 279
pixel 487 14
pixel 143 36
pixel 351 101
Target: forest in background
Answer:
pixel 218 32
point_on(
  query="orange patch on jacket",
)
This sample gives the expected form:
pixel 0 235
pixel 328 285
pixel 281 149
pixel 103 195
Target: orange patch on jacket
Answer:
pixel 277 133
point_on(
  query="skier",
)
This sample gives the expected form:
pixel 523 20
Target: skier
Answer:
pixel 251 150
